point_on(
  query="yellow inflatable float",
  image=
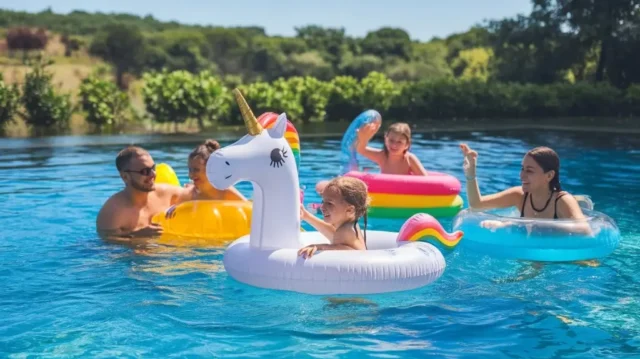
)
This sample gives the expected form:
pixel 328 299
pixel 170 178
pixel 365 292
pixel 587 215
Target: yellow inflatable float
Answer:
pixel 201 222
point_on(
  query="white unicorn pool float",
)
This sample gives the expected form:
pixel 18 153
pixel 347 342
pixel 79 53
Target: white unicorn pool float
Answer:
pixel 268 256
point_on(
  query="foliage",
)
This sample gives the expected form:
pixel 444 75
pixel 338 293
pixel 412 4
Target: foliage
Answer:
pixel 71 43
pixel 123 46
pixel 103 102
pixel 563 58
pixel 44 107
pixel 24 38
pixel 9 102
pixel 473 63
pixel 558 41
pixel 179 95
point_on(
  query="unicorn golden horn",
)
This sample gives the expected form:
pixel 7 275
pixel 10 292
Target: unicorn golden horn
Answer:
pixel 253 127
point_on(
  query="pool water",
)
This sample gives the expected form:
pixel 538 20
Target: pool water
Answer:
pixel 64 293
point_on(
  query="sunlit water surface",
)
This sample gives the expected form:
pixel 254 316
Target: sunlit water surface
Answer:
pixel 65 293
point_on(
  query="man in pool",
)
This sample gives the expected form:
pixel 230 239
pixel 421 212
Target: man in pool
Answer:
pixel 127 214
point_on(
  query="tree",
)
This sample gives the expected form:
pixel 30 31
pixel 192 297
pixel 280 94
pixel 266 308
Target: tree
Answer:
pixel 598 22
pixel 533 48
pixel 387 42
pixel 26 39
pixel 121 45
pixel 71 44
pixel 9 102
pixel 45 109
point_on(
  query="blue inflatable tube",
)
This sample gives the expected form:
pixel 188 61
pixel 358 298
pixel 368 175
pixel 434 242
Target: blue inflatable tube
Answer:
pixel 503 234
pixel 348 155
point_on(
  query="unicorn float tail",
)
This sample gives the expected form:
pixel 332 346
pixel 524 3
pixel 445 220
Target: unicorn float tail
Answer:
pixel 422 226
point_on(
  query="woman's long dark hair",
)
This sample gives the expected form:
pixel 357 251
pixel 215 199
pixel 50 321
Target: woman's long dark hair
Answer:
pixel 548 159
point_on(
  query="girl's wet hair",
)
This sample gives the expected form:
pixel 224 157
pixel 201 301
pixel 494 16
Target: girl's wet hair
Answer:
pixel 399 128
pixel 205 150
pixel 548 159
pixel 355 193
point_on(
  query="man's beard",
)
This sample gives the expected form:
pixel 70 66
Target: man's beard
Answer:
pixel 142 188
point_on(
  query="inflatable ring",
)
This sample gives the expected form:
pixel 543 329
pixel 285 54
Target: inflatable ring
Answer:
pixel 202 222
pixel 268 256
pixel 166 174
pixel 501 233
pixel 400 196
pixel 348 154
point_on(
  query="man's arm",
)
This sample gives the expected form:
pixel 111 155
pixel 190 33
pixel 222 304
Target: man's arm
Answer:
pixel 175 194
pixel 107 224
pixel 112 227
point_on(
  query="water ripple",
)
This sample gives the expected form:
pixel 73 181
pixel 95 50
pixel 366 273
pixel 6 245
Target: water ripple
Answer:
pixel 65 293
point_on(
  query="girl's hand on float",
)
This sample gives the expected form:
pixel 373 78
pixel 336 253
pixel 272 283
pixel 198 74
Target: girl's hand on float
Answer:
pixel 308 251
pixel 470 161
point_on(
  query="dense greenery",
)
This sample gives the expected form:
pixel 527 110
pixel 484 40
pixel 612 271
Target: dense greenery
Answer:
pixel 564 58
pixel 9 101
pixel 559 41
pixel 180 95
pixel 44 107
pixel 103 102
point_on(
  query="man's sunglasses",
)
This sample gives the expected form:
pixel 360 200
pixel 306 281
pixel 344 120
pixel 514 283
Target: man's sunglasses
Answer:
pixel 143 172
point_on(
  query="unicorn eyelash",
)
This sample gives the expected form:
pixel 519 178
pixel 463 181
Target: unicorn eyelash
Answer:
pixel 278 156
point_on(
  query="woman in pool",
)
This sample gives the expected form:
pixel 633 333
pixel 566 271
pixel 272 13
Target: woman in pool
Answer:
pixel 539 196
pixel 394 157
pixel 344 201
pixel 202 188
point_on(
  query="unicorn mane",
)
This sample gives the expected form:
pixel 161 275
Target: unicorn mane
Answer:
pixel 268 120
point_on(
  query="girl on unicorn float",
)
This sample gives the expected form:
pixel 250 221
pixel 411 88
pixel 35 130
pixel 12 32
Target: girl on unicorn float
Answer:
pixel 394 157
pixel 201 188
pixel 344 201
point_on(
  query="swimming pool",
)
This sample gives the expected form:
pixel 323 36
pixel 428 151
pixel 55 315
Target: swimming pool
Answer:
pixel 65 293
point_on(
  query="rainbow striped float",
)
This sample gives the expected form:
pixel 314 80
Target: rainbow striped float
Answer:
pixel 400 196
pixel 425 228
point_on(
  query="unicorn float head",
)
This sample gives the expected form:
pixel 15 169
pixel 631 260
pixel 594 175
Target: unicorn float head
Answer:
pixel 265 158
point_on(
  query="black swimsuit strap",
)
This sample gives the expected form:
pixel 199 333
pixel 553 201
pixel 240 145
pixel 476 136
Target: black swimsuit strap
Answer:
pixel 555 207
pixel 526 194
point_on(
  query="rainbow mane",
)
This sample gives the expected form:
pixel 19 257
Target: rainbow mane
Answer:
pixel 268 119
pixel 422 226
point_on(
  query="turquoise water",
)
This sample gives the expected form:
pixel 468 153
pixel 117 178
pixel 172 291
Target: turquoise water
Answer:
pixel 64 293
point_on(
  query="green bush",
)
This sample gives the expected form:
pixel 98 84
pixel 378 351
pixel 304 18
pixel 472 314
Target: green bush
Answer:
pixel 9 102
pixel 179 95
pixel 45 109
pixel 103 102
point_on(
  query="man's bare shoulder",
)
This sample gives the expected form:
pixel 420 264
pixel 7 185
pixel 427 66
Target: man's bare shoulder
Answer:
pixel 109 210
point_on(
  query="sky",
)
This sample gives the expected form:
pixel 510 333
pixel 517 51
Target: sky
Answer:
pixel 422 19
